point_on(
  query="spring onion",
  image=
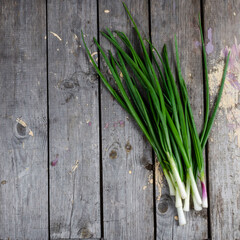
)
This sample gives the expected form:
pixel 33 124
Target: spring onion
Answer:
pixel 147 90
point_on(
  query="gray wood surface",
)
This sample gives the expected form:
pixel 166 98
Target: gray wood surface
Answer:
pixel 127 180
pixel 221 32
pixel 42 58
pixel 23 84
pixel 74 122
pixel 180 18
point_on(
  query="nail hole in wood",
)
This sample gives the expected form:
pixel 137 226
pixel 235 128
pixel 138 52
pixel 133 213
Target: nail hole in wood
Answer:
pixel 113 154
pixel 128 147
pixel 3 182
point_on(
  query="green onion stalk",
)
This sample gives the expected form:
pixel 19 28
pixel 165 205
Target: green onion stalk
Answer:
pixel 146 88
pixel 208 119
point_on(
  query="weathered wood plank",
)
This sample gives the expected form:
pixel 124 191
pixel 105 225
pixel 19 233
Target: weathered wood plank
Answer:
pixel 127 182
pixel 222 32
pixel 74 122
pixel 180 18
pixel 23 84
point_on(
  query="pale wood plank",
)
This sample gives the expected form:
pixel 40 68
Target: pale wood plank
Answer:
pixel 180 18
pixel 127 184
pixel 23 85
pixel 222 28
pixel 74 122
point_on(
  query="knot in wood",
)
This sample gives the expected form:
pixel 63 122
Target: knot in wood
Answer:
pixel 85 233
pixel 165 204
pixel 70 84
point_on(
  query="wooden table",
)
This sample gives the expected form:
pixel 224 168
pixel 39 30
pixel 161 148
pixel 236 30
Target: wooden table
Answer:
pixel 73 164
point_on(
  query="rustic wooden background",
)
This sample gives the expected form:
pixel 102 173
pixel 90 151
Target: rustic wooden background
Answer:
pixel 105 183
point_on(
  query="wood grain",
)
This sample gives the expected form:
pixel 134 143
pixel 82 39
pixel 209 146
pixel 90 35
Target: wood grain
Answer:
pixel 127 159
pixel 180 18
pixel 74 122
pixel 222 32
pixel 74 137
pixel 23 85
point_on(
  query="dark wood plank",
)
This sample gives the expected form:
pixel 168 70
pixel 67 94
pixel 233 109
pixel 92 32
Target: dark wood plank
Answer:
pixel 180 18
pixel 23 85
pixel 127 182
pixel 74 122
pixel 222 32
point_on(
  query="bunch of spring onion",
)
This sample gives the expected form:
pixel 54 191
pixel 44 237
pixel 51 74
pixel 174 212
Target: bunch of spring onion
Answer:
pixel 163 111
